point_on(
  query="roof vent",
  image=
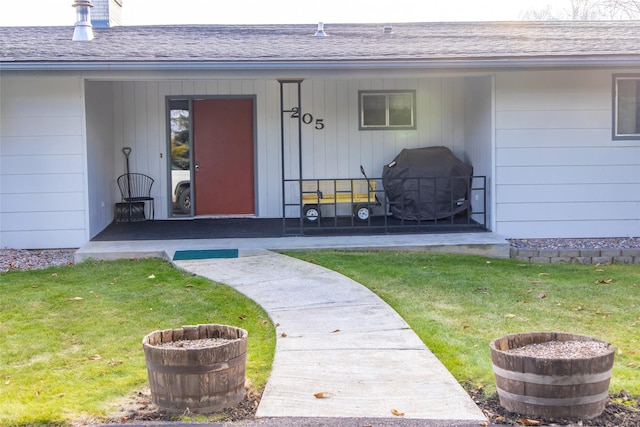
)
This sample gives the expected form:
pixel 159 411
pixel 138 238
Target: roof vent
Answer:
pixel 83 30
pixel 387 29
pixel 320 31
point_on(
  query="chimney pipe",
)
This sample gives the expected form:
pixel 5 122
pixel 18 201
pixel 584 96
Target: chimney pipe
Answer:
pixel 320 31
pixel 83 30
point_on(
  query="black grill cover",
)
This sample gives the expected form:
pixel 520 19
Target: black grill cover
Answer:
pixel 426 184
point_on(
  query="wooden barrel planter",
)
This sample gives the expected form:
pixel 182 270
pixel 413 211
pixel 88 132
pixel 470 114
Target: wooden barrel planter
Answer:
pixel 200 368
pixel 570 386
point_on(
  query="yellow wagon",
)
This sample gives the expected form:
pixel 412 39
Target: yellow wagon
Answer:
pixel 360 195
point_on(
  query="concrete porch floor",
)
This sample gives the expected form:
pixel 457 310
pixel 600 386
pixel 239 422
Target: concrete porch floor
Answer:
pixel 481 243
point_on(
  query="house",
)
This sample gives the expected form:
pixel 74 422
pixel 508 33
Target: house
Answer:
pixel 547 112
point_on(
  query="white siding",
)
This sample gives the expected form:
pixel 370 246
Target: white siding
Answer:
pixel 337 151
pixel 140 123
pixel 42 162
pixel 99 106
pixel 340 148
pixel 558 171
pixel 478 142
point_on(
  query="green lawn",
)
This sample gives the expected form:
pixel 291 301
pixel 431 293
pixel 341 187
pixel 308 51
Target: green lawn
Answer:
pixel 458 304
pixel 71 336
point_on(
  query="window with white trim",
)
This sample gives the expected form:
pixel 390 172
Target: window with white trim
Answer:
pixel 386 110
pixel 626 106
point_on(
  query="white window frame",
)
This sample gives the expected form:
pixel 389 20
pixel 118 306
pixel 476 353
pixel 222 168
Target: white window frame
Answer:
pixel 387 94
pixel 617 135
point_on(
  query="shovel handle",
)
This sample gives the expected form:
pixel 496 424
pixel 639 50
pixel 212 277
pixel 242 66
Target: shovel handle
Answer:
pixel 126 151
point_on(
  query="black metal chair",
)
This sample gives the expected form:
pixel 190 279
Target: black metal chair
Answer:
pixel 136 188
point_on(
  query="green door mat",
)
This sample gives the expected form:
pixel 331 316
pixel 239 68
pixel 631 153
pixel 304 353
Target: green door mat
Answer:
pixel 205 254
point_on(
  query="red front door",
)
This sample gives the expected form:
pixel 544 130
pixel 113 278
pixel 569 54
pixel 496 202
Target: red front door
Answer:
pixel 223 139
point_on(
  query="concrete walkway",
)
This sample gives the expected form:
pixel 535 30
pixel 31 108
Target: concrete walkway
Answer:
pixel 336 336
pixel 333 334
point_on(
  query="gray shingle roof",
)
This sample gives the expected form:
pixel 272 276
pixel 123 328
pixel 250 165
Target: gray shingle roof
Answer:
pixel 427 42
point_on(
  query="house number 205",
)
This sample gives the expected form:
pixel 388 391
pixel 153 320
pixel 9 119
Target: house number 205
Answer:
pixel 307 118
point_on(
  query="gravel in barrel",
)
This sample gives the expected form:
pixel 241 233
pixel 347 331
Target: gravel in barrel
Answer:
pixel 200 343
pixel 562 349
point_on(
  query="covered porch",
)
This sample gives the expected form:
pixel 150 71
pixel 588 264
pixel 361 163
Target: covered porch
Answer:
pixel 308 132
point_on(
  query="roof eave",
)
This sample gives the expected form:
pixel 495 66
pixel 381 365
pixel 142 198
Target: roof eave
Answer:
pixel 8 64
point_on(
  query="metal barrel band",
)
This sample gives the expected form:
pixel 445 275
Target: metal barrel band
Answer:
pixel 552 380
pixel 550 401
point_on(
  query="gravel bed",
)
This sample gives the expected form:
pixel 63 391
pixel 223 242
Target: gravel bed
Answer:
pixel 562 349
pixel 553 244
pixel 21 259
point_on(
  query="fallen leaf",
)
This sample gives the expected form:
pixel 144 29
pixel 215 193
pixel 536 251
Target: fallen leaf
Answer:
pixel 114 362
pixel 603 282
pixel 322 394
pixel 599 270
pixel 397 413
pixel 529 422
pixel 535 282
pixel 510 316
pixel 542 274
pixel 7 382
pixel 95 357
pixel 75 299
pixel 242 317
pixel 265 321
pixel 54 275
pixel 152 276
pixel 337 330
pixel 484 424
pixel 542 295
pixel 283 335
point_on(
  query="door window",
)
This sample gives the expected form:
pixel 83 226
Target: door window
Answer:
pixel 180 125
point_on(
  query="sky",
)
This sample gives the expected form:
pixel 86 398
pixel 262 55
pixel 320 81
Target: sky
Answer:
pixel 160 12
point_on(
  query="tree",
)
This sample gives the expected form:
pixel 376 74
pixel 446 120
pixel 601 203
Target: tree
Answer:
pixel 586 10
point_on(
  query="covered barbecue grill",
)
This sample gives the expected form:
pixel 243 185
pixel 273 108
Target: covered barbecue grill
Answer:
pixel 427 184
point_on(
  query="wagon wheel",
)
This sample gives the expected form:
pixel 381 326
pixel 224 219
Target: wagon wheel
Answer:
pixel 362 212
pixel 311 213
